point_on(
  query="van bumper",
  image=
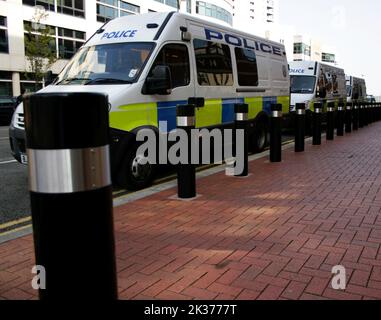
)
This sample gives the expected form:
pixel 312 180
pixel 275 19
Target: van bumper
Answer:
pixel 17 141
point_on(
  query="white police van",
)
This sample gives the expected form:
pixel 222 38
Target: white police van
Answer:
pixel 148 64
pixel 356 89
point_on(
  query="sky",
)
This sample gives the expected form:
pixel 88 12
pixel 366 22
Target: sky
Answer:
pixel 352 27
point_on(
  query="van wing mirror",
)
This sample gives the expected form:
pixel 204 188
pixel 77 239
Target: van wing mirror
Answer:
pixel 159 81
pixel 49 78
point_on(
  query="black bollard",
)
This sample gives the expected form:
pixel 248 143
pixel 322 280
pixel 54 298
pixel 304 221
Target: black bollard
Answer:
pixel 71 194
pixel 300 127
pixel 241 123
pixel 348 118
pixel 316 123
pixel 330 121
pixel 355 118
pixel 340 119
pixel 361 115
pixel 371 119
pixel 276 133
pixel 366 114
pixel 186 172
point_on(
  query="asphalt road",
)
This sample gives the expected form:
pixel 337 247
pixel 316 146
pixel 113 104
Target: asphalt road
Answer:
pixel 14 195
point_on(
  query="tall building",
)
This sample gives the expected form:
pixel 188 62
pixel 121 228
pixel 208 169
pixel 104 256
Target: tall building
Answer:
pixel 72 22
pixel 258 17
pixel 309 49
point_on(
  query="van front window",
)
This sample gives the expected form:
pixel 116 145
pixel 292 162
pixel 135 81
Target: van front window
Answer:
pixel 302 84
pixel 106 64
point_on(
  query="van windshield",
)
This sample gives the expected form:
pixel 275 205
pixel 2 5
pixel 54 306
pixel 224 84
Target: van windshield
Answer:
pixel 302 84
pixel 106 64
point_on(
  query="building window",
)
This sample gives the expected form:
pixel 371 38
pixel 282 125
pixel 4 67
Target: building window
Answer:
pixel 3 35
pixel 69 41
pixel 302 48
pixel 27 84
pixel 110 9
pixel 47 4
pixel 71 7
pixel 246 67
pixel 211 10
pixel 328 57
pixel 171 3
pixel 65 42
pixel 5 83
pixel 214 64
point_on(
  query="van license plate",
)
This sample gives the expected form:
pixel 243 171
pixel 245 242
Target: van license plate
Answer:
pixel 24 159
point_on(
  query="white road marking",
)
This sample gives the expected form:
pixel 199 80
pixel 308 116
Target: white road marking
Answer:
pixel 8 161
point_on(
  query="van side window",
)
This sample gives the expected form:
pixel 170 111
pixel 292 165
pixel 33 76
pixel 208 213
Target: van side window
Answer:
pixel 176 57
pixel 214 64
pixel 246 67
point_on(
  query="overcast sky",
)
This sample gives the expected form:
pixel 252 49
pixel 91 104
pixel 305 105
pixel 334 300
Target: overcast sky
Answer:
pixel 353 28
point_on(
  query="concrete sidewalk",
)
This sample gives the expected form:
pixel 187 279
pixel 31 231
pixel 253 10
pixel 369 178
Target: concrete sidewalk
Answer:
pixel 274 235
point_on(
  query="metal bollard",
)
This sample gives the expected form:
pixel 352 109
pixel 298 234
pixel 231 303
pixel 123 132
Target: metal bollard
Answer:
pixel 361 115
pixel 186 172
pixel 348 118
pixel 331 121
pixel 366 114
pixel 371 119
pixel 276 133
pixel 241 123
pixel 340 119
pixel 71 194
pixel 300 127
pixel 355 118
pixel 316 124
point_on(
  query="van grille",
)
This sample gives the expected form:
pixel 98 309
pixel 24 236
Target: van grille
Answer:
pixel 20 120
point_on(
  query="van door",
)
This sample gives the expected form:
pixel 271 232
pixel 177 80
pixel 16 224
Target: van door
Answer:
pixel 214 81
pixel 176 57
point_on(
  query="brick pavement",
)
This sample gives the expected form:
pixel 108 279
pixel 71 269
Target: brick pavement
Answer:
pixel 274 235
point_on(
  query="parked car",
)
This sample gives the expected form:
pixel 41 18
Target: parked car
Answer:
pixel 7 108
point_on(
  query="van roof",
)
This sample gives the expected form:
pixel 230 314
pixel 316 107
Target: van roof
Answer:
pixel 149 27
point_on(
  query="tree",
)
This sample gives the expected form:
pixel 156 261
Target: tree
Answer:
pixel 40 48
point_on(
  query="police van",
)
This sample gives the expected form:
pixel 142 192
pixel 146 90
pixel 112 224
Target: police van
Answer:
pixel 312 82
pixel 356 89
pixel 148 64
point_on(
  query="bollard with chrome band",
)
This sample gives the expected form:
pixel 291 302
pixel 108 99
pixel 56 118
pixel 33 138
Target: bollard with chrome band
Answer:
pixel 348 118
pixel 340 119
pixel 186 172
pixel 300 127
pixel 276 133
pixel 241 111
pixel 355 112
pixel 361 115
pixel 71 194
pixel 330 121
pixel 366 114
pixel 316 124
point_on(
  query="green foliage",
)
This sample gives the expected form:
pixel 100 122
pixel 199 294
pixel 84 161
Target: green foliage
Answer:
pixel 40 48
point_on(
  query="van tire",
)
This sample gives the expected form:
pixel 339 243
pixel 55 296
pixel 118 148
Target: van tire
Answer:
pixel 259 137
pixel 129 178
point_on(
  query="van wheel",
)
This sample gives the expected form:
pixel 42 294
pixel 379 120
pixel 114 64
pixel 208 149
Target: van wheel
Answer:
pixel 135 175
pixel 259 138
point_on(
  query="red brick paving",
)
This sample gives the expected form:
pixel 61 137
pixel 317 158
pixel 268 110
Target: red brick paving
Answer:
pixel 274 235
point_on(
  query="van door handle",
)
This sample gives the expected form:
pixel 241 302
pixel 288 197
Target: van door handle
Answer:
pixel 197 102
